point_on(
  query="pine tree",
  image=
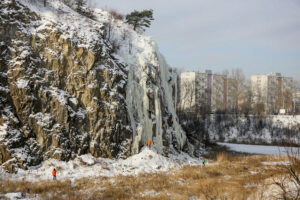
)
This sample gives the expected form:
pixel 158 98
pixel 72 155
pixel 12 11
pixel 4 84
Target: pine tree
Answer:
pixel 140 19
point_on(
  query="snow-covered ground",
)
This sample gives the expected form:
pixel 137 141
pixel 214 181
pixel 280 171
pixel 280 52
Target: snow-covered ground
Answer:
pixel 18 195
pixel 285 121
pixel 14 195
pixel 147 161
pixel 259 149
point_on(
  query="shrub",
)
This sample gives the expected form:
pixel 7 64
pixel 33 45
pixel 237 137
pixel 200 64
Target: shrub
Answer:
pixel 116 15
pixel 289 182
pixel 140 19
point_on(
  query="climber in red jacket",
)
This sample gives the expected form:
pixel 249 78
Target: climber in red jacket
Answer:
pixel 54 174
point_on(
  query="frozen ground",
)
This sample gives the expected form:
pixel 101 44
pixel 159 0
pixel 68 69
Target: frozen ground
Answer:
pixel 18 195
pixel 148 161
pixel 259 149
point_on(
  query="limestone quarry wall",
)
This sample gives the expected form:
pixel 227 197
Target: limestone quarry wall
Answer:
pixel 63 95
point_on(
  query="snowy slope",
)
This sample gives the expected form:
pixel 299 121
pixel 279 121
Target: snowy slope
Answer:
pixel 73 24
pixel 147 161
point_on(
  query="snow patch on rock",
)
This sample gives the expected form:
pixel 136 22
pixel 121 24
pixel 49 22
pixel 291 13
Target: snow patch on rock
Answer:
pixel 3 131
pixel 21 83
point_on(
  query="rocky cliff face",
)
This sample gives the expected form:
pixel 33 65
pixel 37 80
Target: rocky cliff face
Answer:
pixel 65 92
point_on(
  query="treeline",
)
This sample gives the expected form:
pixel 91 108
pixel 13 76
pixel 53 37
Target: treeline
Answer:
pixel 271 130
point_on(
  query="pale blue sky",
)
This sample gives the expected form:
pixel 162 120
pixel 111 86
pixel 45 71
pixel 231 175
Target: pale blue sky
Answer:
pixel 259 36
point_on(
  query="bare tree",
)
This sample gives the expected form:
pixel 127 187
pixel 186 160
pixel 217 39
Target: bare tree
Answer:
pixel 244 100
pixel 257 101
pixel 296 85
pixel 225 72
pixel 239 84
pixel 288 100
pixel 187 96
pixel 289 182
pixel 116 14
pixel 259 108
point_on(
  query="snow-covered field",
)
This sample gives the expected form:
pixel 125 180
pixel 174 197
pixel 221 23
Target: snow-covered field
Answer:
pixel 259 149
pixel 147 161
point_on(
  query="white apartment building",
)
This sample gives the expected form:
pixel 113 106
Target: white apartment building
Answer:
pixel 203 82
pixel 187 87
pixel 194 92
pixel 205 91
pixel 273 91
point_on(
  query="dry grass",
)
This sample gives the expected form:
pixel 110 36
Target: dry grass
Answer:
pixel 45 189
pixel 241 177
pixel 222 157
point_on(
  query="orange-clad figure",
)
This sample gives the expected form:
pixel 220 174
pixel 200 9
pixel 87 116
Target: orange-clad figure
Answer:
pixel 54 174
pixel 149 143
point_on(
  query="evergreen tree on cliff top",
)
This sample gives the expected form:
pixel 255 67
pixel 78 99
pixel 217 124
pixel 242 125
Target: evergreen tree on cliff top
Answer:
pixel 140 19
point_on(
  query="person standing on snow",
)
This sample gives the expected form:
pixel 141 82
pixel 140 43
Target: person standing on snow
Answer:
pixel 203 161
pixel 54 174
